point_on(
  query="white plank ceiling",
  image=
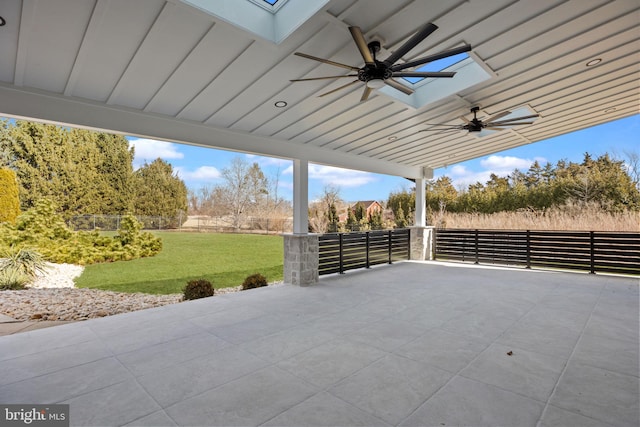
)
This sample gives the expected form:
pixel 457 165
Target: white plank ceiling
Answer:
pixel 167 70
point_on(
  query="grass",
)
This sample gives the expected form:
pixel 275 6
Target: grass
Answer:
pixel 224 259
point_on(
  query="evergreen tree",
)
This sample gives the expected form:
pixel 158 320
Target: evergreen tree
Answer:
pixel 352 222
pixel 375 221
pixel 9 199
pixel 332 219
pixel 85 172
pixel 359 212
pixel 402 204
pixel 160 192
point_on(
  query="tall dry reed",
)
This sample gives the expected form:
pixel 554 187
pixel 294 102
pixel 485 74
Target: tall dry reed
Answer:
pixel 571 217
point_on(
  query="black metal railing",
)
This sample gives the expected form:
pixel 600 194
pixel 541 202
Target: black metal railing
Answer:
pixel 340 252
pixel 593 251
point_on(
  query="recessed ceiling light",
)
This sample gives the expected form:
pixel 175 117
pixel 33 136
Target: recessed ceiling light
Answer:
pixel 392 138
pixel 610 110
pixel 280 104
pixel 593 62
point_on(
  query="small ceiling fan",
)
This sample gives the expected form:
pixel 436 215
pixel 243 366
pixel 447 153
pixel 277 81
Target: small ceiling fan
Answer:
pixel 375 74
pixel 478 125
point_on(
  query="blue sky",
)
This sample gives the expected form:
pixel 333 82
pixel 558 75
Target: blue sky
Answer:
pixel 200 167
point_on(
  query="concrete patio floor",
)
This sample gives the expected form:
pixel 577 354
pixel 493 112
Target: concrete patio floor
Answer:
pixel 410 344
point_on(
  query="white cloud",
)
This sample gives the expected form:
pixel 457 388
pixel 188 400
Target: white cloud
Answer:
pixel 459 170
pixel 147 150
pixel 203 173
pixel 508 163
pixel 343 178
pixel 340 177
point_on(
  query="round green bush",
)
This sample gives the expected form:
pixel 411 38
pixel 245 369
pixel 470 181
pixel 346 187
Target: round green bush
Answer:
pixel 254 281
pixel 196 289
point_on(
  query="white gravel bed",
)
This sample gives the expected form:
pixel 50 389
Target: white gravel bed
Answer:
pixel 57 276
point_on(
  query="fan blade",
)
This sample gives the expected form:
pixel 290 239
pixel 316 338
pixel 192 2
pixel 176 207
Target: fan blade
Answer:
pixel 516 119
pixel 420 35
pixel 356 33
pixel 337 89
pixel 497 116
pixel 366 93
pixel 431 58
pixel 493 128
pixel 399 86
pixel 423 74
pixel 439 129
pixel 323 78
pixel 508 123
pixel 326 61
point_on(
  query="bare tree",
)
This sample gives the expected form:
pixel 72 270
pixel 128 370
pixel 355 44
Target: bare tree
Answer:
pixel 322 211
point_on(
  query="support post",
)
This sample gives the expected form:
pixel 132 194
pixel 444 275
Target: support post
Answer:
pixel 420 235
pixel 301 249
pixel 300 196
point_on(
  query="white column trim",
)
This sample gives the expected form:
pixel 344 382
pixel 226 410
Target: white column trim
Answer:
pixel 300 196
pixel 421 214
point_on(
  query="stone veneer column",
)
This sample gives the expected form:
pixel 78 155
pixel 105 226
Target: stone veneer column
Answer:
pixel 421 243
pixel 301 259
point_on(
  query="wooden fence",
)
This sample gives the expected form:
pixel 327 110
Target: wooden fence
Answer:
pixel 340 252
pixel 593 251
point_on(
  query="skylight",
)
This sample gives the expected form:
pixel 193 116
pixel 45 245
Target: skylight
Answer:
pixel 439 65
pixel 273 20
pixel 469 71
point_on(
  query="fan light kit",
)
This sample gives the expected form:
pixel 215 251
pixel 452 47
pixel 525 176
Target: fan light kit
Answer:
pixel 478 125
pixel 376 74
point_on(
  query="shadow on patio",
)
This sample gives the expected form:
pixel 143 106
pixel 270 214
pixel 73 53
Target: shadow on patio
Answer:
pixel 424 344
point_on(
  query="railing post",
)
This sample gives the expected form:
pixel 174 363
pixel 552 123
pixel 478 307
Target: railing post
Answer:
pixel 367 246
pixel 408 243
pixel 389 246
pixel 476 247
pixel 528 249
pixel 341 266
pixel 592 249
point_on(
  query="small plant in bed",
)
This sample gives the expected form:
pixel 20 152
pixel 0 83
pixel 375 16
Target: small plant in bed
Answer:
pixel 19 266
pixel 196 289
pixel 254 281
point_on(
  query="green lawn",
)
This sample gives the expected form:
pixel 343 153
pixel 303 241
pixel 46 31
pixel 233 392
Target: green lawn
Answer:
pixel 223 259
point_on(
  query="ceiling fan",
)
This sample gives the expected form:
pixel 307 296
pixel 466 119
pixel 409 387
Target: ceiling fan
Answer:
pixel 375 74
pixel 478 125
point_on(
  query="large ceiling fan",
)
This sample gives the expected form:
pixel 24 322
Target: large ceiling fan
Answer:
pixel 375 74
pixel 478 125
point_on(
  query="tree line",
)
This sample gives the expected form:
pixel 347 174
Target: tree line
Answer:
pixel 86 172
pixel 610 184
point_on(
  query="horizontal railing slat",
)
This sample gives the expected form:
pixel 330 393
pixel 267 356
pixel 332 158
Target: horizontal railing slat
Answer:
pixel 584 250
pixel 346 251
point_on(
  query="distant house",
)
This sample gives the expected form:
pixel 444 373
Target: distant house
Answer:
pixel 370 207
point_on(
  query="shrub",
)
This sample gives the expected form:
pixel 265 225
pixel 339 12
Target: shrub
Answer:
pixel 43 229
pixel 196 289
pixel 254 281
pixel 9 198
pixel 12 279
pixel 25 261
